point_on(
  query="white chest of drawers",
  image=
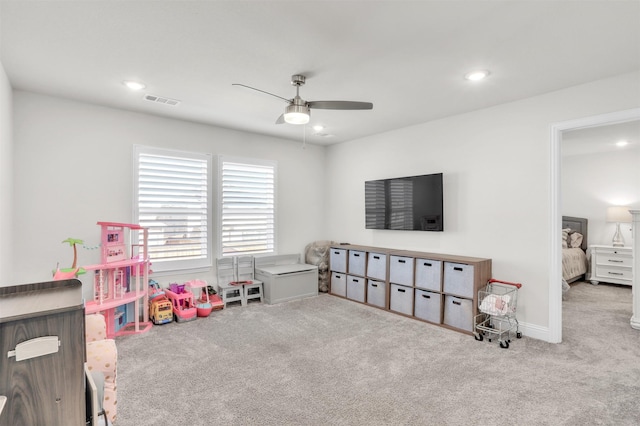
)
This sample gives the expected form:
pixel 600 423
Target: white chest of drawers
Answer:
pixel 611 264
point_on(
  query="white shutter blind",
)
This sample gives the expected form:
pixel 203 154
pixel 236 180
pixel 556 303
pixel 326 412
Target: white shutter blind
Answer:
pixel 247 207
pixel 172 201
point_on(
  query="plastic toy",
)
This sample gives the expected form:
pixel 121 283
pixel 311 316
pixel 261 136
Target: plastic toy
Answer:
pixel 74 271
pixel 183 306
pixel 154 290
pixel 160 310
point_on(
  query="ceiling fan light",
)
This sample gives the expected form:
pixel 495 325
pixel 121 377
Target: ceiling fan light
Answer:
pixel 296 114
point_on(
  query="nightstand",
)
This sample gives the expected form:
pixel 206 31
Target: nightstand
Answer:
pixel 611 264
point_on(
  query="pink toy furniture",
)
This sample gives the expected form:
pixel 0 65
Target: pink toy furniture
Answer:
pixel 121 278
pixel 102 356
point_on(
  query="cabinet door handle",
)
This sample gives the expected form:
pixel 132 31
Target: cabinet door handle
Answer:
pixel 401 290
pixel 615 273
pixel 376 257
pixel 338 276
pixel 614 261
pixel 402 261
pixel 427 264
pixel 426 296
pixel 455 302
pixel 355 280
pixel 457 268
pixel 374 285
pixel 356 254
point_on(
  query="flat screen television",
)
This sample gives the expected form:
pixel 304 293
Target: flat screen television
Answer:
pixel 412 203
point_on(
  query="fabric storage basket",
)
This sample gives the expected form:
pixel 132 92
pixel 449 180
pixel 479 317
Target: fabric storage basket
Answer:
pixel 377 266
pixel 357 260
pixel 428 274
pixel 401 270
pixel 401 299
pixel 338 284
pixel 458 279
pixel 428 306
pixel 376 293
pixel 338 260
pixel 355 288
pixel 458 312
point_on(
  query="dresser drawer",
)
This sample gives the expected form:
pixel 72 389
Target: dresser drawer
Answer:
pixel 607 272
pixel 613 259
pixel 401 299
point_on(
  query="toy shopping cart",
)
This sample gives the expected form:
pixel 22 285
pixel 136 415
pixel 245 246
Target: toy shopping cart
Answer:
pixel 497 304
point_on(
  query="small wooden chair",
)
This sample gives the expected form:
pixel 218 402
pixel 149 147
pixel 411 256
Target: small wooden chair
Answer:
pixel 246 272
pixel 226 274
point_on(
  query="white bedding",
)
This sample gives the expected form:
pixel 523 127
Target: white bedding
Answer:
pixel 574 263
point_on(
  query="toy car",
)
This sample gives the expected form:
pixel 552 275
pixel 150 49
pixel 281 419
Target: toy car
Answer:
pixel 160 310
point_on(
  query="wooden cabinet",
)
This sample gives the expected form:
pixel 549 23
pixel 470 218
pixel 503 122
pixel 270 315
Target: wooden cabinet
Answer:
pixel 611 264
pixel 437 288
pixel 42 345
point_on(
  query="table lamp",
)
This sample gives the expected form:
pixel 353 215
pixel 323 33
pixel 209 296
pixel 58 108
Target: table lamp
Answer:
pixel 618 215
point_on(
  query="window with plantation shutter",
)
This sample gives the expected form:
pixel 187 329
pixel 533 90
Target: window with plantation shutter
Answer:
pixel 173 200
pixel 247 206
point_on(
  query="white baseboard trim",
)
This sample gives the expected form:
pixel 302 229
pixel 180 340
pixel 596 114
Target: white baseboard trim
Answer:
pixel 534 331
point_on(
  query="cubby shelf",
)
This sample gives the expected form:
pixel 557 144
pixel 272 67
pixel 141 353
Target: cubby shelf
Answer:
pixel 437 288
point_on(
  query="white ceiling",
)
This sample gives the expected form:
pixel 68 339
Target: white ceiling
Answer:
pixel 595 140
pixel 408 58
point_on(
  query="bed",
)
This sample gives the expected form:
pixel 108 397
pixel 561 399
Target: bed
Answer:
pixel 574 248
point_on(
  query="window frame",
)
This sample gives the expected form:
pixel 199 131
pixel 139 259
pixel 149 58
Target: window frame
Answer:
pixel 249 162
pixel 177 265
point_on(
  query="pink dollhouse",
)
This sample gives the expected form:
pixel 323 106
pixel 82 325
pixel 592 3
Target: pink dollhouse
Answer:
pixel 120 280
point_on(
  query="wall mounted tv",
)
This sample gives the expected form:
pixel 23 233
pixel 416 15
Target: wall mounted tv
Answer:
pixel 411 203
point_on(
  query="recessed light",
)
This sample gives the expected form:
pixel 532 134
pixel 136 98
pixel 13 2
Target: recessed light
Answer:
pixel 318 127
pixel 134 85
pixel 476 75
pixel 622 143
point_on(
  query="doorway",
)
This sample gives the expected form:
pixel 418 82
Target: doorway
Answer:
pixel 555 270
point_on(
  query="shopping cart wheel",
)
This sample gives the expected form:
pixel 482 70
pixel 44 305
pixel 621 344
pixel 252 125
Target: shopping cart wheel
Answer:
pixel 504 345
pixel 478 337
pixel 519 335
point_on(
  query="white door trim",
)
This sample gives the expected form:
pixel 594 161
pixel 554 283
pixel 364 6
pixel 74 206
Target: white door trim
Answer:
pixel 555 262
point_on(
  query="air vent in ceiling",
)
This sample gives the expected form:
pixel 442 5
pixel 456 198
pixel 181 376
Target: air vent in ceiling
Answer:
pixel 161 100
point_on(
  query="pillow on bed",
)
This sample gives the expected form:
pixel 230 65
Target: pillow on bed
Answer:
pixel 575 240
pixel 565 237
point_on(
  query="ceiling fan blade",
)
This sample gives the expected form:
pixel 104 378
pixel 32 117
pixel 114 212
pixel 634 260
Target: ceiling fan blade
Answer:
pixel 253 88
pixel 339 105
pixel 280 119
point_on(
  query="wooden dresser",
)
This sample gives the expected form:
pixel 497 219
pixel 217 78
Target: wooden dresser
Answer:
pixel 42 354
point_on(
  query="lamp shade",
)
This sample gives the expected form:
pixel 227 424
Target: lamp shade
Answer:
pixel 618 214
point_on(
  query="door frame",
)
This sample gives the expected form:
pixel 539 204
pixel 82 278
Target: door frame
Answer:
pixel 555 214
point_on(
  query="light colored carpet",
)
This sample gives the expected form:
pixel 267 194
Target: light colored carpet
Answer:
pixel 326 360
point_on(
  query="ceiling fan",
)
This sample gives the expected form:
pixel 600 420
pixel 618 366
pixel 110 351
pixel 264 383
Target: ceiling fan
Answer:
pixel 298 110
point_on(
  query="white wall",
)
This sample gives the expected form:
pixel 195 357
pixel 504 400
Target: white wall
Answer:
pixel 496 165
pixel 593 182
pixel 73 167
pixel 6 180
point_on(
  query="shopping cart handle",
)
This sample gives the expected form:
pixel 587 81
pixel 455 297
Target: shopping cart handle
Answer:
pixel 517 285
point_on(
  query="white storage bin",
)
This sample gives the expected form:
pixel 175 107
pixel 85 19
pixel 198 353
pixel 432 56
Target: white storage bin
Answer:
pixel 377 266
pixel 428 274
pixel 458 279
pixel 458 312
pixel 401 270
pixel 401 299
pixel 355 288
pixel 338 284
pixel 428 305
pixel 338 260
pixel 357 260
pixel 376 292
